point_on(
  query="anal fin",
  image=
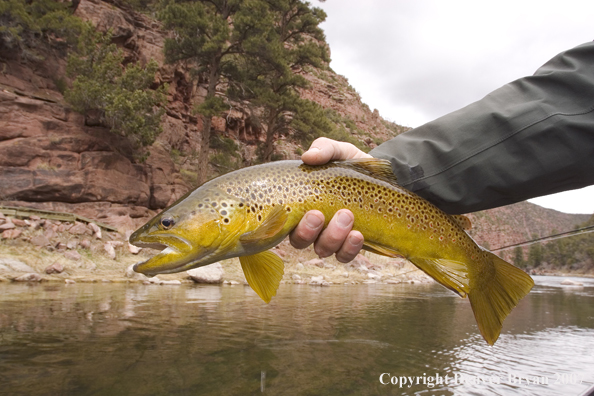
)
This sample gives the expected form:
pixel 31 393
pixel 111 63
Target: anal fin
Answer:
pixel 263 271
pixel 449 273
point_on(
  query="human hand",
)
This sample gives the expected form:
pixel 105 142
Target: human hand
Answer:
pixel 338 237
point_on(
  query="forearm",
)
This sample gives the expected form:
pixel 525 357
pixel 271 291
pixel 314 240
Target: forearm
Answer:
pixel 532 137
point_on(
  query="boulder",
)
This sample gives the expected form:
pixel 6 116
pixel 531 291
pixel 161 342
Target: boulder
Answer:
pixel 130 273
pixel 10 264
pixel 80 229
pixel 7 225
pixel 30 277
pixel 212 273
pixel 317 262
pixel 11 234
pixel 133 249
pixel 109 250
pixel 96 230
pixel 72 255
pixel 55 268
pixel 359 263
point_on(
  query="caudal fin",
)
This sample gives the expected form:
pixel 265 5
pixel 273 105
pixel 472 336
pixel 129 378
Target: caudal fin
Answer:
pixel 495 298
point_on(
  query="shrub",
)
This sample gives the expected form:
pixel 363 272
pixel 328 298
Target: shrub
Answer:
pixel 121 96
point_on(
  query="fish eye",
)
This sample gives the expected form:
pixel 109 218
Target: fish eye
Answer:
pixel 167 222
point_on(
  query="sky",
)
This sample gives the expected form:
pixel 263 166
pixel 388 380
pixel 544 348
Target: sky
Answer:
pixel 416 60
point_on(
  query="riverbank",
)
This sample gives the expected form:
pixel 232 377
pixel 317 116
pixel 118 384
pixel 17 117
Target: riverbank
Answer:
pixel 35 249
pixel 49 250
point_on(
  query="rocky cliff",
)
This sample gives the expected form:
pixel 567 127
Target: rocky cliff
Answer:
pixel 54 158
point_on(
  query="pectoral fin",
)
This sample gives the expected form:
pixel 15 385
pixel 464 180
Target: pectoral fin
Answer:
pixel 381 250
pixel 263 271
pixel 272 224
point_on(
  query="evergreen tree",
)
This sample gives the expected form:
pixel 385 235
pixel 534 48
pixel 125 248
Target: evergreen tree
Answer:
pixel 270 74
pixel 26 25
pixel 535 255
pixel 210 35
pixel 119 97
pixel 519 257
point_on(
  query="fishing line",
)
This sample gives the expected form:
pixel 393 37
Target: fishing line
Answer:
pixel 579 231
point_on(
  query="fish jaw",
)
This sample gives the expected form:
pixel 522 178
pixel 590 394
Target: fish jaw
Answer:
pixel 176 253
pixel 169 261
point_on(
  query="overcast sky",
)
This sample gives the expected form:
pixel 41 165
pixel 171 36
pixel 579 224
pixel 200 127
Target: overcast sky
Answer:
pixel 416 60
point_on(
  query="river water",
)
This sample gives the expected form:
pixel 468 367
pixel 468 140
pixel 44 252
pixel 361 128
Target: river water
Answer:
pixel 118 339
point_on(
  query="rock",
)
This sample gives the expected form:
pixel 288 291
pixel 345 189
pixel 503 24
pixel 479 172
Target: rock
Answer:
pixel 369 281
pixel 295 277
pixel 233 283
pixel 109 250
pixel 85 244
pixel 345 274
pixel 7 226
pixel 212 273
pixel 60 246
pixel 55 268
pixel 299 266
pixel 34 218
pixel 10 264
pixel 359 263
pixel 317 262
pixel 69 281
pixel 170 282
pixel 72 244
pixel 40 240
pixel 130 273
pixel 569 282
pixel 374 275
pixel 20 223
pixel 393 281
pixel 133 249
pixel 316 280
pixel 30 277
pixel 80 229
pixel 72 255
pixel 280 252
pixel 96 230
pixel 11 234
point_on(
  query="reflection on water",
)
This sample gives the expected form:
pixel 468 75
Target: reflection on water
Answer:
pixel 95 339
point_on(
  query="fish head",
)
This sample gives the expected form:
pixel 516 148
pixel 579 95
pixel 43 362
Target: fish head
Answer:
pixel 195 231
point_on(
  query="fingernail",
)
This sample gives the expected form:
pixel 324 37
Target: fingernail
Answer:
pixel 312 221
pixel 344 220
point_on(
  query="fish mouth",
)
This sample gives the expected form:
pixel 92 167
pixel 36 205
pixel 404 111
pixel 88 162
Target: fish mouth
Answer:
pixel 175 253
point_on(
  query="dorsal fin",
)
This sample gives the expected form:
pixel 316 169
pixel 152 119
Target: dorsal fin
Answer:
pixel 375 167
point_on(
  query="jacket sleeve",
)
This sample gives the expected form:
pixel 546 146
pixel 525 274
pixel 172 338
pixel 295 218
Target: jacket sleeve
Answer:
pixel 531 137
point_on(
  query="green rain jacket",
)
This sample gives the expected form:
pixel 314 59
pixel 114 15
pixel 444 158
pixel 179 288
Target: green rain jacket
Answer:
pixel 531 137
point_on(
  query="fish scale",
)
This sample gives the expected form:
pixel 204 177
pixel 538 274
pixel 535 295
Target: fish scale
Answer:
pixel 246 212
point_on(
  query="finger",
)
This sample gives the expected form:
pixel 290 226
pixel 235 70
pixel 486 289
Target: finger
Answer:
pixel 350 248
pixel 323 150
pixel 307 230
pixel 332 237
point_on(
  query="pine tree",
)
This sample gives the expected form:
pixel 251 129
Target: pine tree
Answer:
pixel 209 36
pixel 270 74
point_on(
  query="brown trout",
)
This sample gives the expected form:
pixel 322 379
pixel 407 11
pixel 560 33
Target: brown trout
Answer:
pixel 246 212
